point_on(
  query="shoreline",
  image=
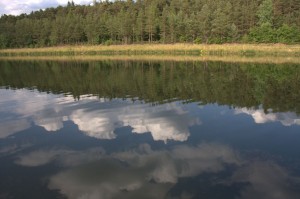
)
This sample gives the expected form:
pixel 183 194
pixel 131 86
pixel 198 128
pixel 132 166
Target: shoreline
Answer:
pixel 160 49
pixel 183 58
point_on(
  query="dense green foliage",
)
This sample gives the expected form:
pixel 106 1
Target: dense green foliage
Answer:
pixel 159 21
pixel 274 87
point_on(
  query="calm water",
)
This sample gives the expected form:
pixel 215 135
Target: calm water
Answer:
pixel 112 129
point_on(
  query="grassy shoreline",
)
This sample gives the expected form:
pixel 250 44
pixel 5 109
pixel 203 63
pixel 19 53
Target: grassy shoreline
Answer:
pixel 160 49
pixel 183 58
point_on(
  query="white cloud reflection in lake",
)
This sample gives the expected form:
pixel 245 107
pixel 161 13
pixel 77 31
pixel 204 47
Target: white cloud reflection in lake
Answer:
pixel 146 173
pixel 97 117
pixel 165 122
pixel 100 117
pixel 260 117
pixel 267 180
pixel 140 172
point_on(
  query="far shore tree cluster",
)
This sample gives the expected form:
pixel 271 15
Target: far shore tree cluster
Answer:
pixel 155 21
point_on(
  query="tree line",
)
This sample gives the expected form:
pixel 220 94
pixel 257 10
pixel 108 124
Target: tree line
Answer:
pixel 155 21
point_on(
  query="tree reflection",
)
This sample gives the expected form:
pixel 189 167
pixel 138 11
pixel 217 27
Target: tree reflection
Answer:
pixel 275 87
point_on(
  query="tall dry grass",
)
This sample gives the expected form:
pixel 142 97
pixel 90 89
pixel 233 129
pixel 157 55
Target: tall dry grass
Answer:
pixel 204 58
pixel 174 49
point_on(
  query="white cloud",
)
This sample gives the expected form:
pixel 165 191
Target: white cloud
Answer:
pixel 95 123
pixel 16 7
pixel 97 117
pixel 27 106
pixel 38 158
pixel 8 128
pixel 168 122
pixel 129 174
pixel 204 158
pixel 266 180
pixel 164 122
pixel 260 117
pixel 50 124
pixel 32 103
pixel 100 118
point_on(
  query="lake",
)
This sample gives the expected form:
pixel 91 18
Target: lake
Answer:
pixel 149 129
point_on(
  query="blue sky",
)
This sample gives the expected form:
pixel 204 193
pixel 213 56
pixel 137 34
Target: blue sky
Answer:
pixel 16 7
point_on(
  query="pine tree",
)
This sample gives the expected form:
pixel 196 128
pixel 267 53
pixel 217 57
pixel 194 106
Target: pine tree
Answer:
pixel 151 16
pixel 265 12
pixel 204 18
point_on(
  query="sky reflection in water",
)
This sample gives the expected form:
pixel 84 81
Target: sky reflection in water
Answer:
pixel 55 146
pixel 164 171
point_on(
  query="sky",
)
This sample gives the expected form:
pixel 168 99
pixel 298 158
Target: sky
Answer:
pixel 17 7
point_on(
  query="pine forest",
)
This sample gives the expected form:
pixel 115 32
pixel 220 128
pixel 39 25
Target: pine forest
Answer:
pixel 155 21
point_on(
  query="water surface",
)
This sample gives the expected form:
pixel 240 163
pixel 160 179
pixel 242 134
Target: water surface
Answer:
pixel 146 129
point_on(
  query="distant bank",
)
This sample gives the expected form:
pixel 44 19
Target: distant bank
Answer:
pixel 160 49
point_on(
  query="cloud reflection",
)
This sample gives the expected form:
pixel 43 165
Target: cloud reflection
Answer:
pixel 267 181
pixel 139 173
pixel 26 107
pixel 260 117
pixel 8 128
pixel 99 118
pixel 147 173
pixel 165 122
